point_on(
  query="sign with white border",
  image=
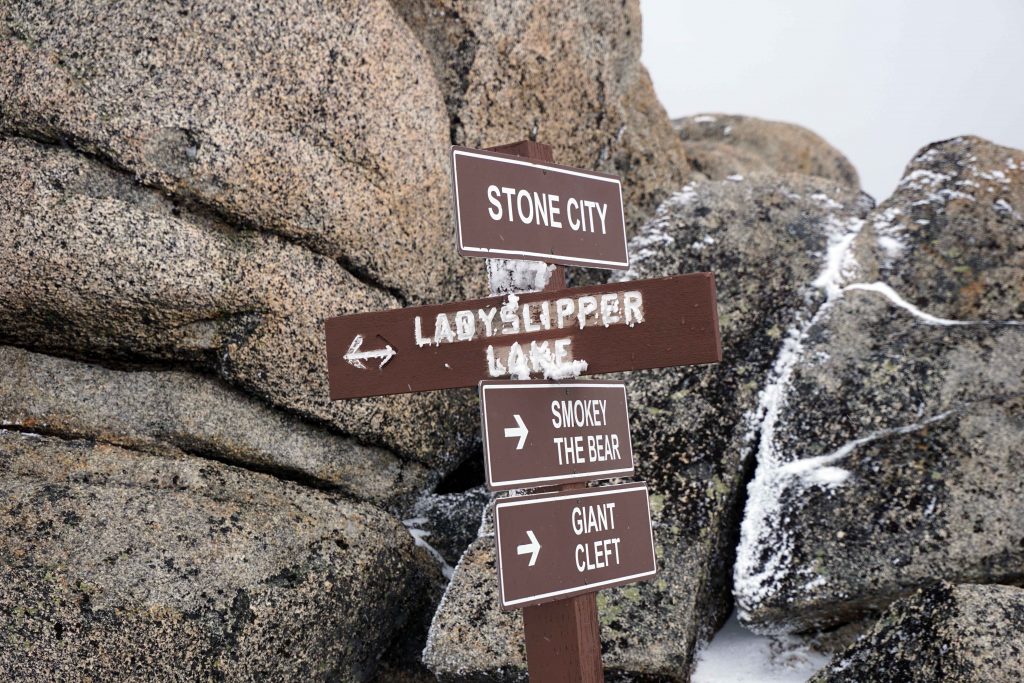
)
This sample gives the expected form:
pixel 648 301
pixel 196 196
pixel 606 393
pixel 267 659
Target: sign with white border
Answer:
pixel 508 206
pixel 539 433
pixel 552 546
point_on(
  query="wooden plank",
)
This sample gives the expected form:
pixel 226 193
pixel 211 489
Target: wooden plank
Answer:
pixel 563 641
pixel 610 328
pixel 552 546
pixel 544 433
pixel 506 206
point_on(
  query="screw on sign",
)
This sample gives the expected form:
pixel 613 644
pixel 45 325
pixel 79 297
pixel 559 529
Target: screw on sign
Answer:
pixel 554 549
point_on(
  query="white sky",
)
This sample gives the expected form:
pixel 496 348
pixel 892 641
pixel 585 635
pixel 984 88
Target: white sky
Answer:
pixel 877 79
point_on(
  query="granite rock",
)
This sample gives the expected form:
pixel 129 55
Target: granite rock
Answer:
pixel 720 145
pixel 319 122
pixel 890 447
pixel 97 267
pixel 120 565
pixel 150 409
pixel 564 73
pixel 765 238
pixel 943 633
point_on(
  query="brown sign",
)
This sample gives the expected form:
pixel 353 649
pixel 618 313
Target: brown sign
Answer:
pixel 555 545
pixel 553 335
pixel 546 433
pixel 510 207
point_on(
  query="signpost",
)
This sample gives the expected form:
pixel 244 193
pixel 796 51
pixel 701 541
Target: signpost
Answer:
pixel 510 207
pixel 547 433
pixel 554 549
pixel 555 545
pixel 602 328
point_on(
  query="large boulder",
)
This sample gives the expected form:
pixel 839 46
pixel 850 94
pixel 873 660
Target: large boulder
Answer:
pixel 720 145
pixel 564 73
pixel 120 565
pixel 766 239
pixel 944 633
pixel 319 122
pixel 889 449
pixel 94 266
pixel 150 409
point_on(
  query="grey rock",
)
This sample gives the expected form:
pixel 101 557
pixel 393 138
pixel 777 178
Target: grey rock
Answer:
pixel 94 266
pixel 765 239
pixel 943 633
pixel 119 565
pixel 564 73
pixel 148 410
pixel 322 124
pixel 720 145
pixel 950 238
pixel 890 450
pixel 448 522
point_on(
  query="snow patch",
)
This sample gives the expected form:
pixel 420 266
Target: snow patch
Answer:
pixel 1004 207
pixel 754 576
pixel 569 370
pixel 826 201
pixel 509 275
pixel 419 537
pixel 704 118
pixel 898 301
pixel 735 177
pixel 736 655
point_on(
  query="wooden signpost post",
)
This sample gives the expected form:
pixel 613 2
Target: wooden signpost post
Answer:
pixel 556 548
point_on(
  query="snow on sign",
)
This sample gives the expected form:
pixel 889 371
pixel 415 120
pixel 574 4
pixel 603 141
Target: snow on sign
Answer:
pixel 553 335
pixel 511 207
pixel 552 546
pixel 547 433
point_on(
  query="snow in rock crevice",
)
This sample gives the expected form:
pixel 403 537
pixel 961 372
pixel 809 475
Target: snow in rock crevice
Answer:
pixel 756 573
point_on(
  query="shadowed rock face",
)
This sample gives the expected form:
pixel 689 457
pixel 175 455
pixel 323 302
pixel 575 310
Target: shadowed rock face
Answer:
pixel 151 409
pixel 720 145
pixel 890 454
pixel 944 632
pixel 564 73
pixel 765 238
pixel 118 563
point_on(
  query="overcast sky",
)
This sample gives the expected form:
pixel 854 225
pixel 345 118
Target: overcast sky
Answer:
pixel 878 79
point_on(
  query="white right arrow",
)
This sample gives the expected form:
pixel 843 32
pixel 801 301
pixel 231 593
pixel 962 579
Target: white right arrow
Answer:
pixel 521 431
pixel 531 548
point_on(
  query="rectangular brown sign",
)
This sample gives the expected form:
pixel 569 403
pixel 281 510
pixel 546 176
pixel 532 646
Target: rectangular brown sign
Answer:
pixel 552 546
pixel 546 433
pixel 510 207
pixel 553 335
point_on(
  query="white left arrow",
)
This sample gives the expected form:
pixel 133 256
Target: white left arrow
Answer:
pixel 521 431
pixel 356 357
pixel 532 548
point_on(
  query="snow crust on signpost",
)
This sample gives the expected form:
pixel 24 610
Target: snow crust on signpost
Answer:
pixel 510 277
